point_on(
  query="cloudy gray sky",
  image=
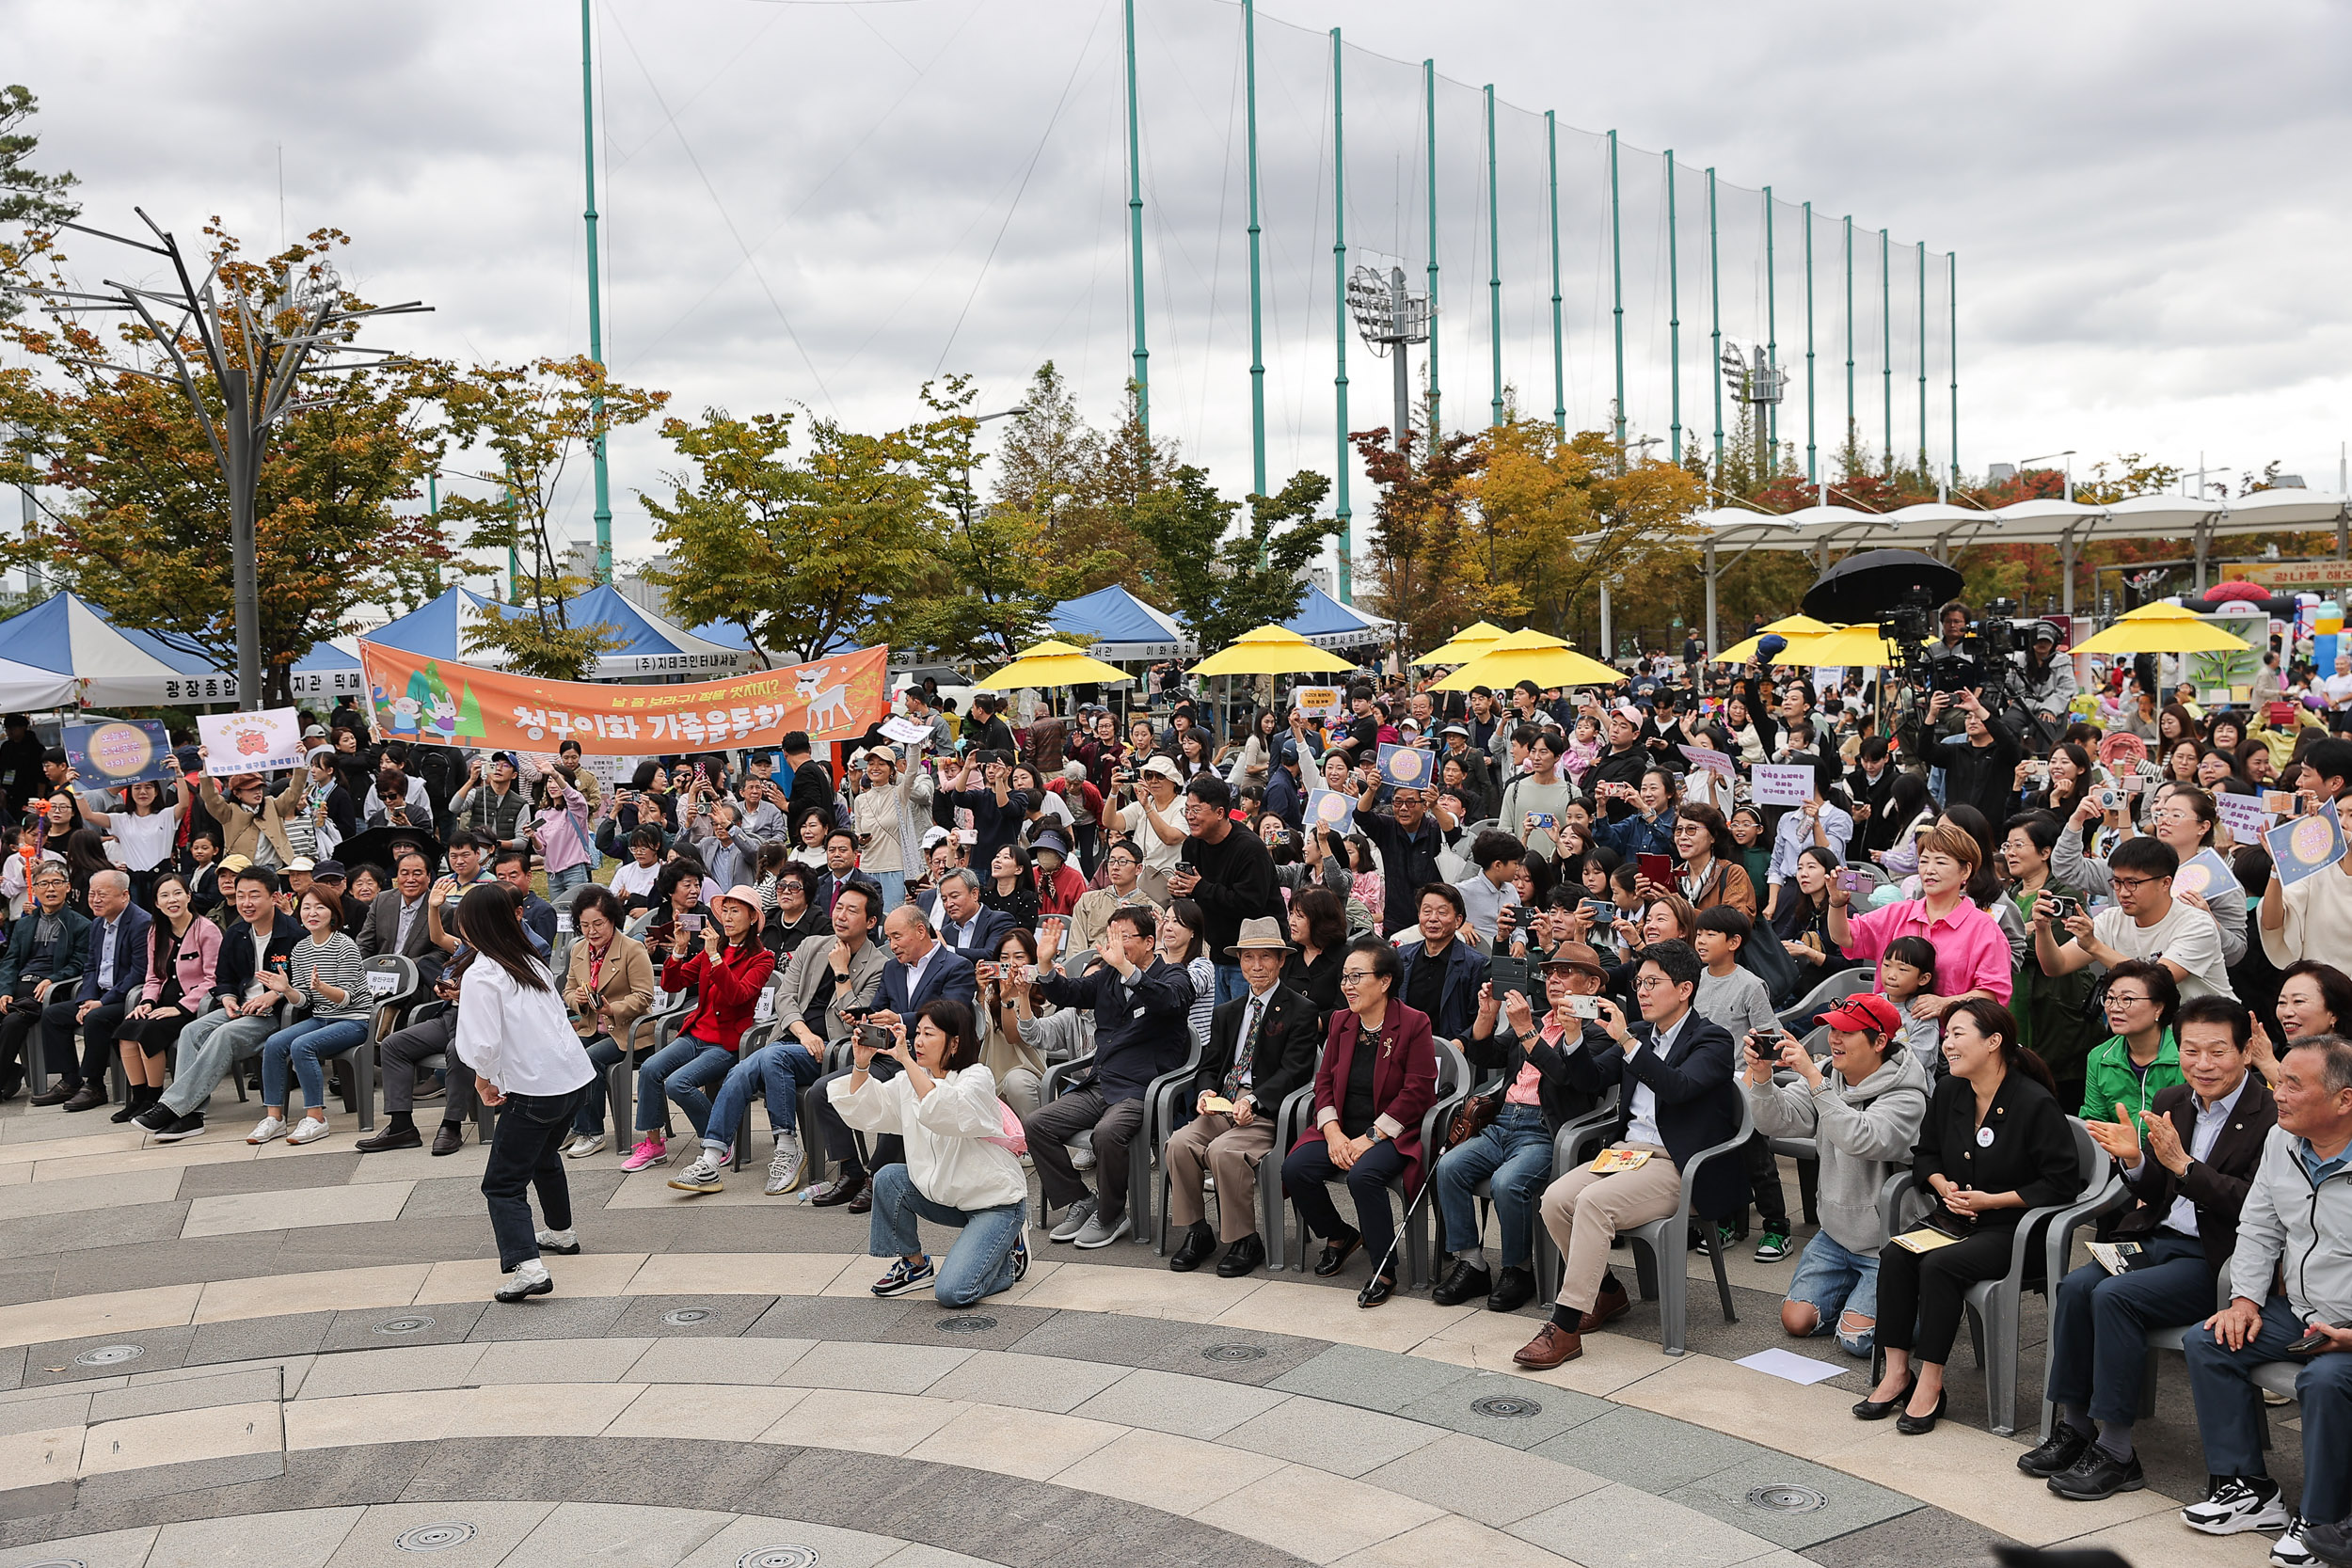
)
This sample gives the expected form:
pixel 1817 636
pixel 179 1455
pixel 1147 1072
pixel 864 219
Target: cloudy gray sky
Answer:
pixel 822 205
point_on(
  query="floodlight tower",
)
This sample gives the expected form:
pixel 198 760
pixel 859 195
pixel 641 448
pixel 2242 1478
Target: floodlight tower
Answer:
pixel 1761 384
pixel 1387 316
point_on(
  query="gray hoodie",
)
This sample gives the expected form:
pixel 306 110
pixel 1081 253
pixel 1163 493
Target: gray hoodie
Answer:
pixel 1866 1131
pixel 2291 1225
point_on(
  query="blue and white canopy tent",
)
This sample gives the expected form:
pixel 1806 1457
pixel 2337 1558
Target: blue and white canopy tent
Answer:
pixel 1329 623
pixel 651 647
pixel 70 651
pixel 1114 626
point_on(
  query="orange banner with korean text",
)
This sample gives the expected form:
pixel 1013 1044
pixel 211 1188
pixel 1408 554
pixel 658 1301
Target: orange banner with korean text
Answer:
pixel 417 697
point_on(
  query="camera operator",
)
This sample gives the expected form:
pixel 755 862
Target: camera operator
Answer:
pixel 2047 680
pixel 1979 770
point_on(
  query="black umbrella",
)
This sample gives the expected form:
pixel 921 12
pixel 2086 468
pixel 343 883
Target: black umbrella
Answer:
pixel 378 845
pixel 1863 586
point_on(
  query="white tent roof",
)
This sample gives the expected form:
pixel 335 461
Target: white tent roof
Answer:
pixel 1937 526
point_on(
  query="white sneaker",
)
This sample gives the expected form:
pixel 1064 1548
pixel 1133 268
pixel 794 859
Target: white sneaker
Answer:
pixel 2234 1506
pixel 564 1243
pixel 583 1145
pixel 783 1167
pixel 529 1279
pixel 308 1131
pixel 2289 1551
pixel 702 1175
pixel 268 1131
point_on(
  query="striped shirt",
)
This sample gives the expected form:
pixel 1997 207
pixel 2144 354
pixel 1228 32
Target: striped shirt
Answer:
pixel 338 962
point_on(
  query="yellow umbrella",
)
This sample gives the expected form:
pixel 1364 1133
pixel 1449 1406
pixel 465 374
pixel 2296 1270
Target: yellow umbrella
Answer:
pixel 1464 646
pixel 1053 664
pixel 2162 629
pixel 1794 627
pixel 1529 655
pixel 1270 650
pixel 1856 646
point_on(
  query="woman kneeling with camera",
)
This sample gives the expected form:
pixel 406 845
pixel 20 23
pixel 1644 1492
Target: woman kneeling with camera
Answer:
pixel 961 1167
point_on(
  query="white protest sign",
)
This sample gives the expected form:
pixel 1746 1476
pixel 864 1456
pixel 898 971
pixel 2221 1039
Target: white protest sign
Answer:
pixel 906 732
pixel 264 743
pixel 608 770
pixel 1778 785
pixel 1708 761
pixel 2243 814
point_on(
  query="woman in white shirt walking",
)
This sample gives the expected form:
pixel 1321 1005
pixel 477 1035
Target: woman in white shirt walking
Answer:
pixel 513 1030
pixel 960 1169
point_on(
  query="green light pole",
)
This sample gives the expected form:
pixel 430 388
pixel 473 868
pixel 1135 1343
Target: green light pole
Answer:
pixel 1429 112
pixel 1616 288
pixel 1772 331
pixel 1559 358
pixel 1715 311
pixel 1674 306
pixel 1339 310
pixel 1812 467
pixel 595 309
pixel 1142 373
pixel 1257 334
pixel 1494 262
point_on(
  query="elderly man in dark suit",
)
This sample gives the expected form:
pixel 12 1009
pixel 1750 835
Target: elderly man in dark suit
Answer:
pixel 113 965
pixel 1261 1046
pixel 921 969
pixel 1673 1071
pixel 964 922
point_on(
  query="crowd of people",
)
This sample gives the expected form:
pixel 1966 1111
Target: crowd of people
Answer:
pixel 1932 927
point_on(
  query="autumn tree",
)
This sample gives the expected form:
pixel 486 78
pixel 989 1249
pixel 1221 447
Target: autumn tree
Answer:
pixel 1216 583
pixel 1423 576
pixel 797 555
pixel 1080 484
pixel 141 526
pixel 530 422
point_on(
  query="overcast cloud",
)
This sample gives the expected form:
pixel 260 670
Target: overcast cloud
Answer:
pixel 825 204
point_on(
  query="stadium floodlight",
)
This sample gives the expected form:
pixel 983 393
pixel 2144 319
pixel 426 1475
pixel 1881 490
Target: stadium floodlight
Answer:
pixel 1388 316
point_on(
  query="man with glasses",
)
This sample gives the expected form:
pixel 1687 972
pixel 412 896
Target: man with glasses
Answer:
pixel 1674 1072
pixel 213 1045
pixel 2146 922
pixel 43 955
pixel 1228 872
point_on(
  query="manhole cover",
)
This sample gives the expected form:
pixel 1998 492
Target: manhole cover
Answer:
pixel 436 1538
pixel 1507 1406
pixel 685 1315
pixel 1785 1498
pixel 779 1557
pixel 404 1325
pixel 1232 1352
pixel 109 1356
pixel 969 1323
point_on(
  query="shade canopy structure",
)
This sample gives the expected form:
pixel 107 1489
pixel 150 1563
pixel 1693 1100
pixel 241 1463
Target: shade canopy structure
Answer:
pixel 1858 647
pixel 1325 622
pixel 1112 624
pixel 2162 629
pixel 1728 534
pixel 1051 663
pixel 1464 646
pixel 1796 628
pixel 1272 650
pixel 1529 655
pixel 66 650
pixel 444 628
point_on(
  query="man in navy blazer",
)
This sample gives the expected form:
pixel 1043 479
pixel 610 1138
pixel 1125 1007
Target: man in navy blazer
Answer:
pixel 114 967
pixel 964 922
pixel 1442 973
pixel 1675 1096
pixel 922 969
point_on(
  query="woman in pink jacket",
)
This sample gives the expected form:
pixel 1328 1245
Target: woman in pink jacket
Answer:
pixel 181 951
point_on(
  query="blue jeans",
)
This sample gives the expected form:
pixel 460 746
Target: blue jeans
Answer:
pixel 1230 983
pixel 2099 1323
pixel 604 1053
pixel 565 880
pixel 680 1071
pixel 1834 1281
pixel 1514 1155
pixel 980 1262
pixel 894 886
pixel 307 1044
pixel 2230 1409
pixel 781 1072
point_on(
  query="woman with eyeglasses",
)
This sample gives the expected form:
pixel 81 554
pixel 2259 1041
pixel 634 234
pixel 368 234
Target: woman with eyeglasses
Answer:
pixel 2140 1059
pixel 1378 1079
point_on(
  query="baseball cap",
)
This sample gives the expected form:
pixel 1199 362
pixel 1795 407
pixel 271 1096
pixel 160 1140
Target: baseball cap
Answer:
pixel 327 871
pixel 1627 712
pixel 1865 1010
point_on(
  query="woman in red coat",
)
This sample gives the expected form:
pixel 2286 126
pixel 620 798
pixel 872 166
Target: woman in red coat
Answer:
pixel 728 969
pixel 1378 1079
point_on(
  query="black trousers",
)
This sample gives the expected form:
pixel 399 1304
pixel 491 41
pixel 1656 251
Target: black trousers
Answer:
pixel 526 1154
pixel 1309 1166
pixel 15 1024
pixel 1771 1204
pixel 1922 1294
pixel 841 1143
pixel 98 1031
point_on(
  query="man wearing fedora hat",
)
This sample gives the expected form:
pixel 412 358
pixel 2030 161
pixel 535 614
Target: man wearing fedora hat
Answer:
pixel 1513 1152
pixel 1261 1046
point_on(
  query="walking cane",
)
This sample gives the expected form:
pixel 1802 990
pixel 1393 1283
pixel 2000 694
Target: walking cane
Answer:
pixel 1455 1123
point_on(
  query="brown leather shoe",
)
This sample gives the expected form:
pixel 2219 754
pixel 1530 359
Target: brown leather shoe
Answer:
pixel 1613 1302
pixel 1551 1346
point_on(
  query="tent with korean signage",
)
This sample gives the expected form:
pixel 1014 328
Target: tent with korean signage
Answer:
pixel 649 648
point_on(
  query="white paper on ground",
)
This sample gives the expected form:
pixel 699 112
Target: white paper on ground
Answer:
pixel 1794 1368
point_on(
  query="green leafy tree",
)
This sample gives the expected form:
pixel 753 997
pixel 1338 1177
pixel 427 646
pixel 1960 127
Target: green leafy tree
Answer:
pixel 1219 586
pixel 533 420
pixel 796 555
pixel 34 201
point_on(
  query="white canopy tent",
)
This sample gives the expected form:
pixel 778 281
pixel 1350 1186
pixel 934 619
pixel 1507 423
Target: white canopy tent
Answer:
pixel 1940 528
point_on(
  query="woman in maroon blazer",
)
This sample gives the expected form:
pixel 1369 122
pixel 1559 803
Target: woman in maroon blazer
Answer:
pixel 1378 1079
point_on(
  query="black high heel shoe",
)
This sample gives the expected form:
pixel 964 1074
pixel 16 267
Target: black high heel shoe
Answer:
pixel 1920 1426
pixel 1878 1410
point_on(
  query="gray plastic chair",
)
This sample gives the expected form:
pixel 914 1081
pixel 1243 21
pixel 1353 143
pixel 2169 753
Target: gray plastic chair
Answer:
pixel 1830 987
pixel 1659 1247
pixel 402 976
pixel 1454 1078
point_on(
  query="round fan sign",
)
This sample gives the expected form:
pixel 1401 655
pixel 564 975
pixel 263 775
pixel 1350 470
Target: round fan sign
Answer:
pixel 2121 750
pixel 2311 840
pixel 1408 764
pixel 1334 808
pixel 2193 878
pixel 119 750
